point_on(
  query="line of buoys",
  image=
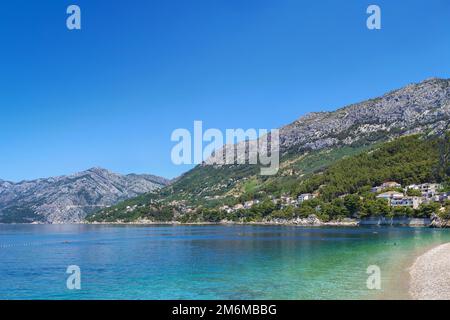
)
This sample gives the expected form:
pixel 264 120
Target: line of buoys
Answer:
pixel 29 244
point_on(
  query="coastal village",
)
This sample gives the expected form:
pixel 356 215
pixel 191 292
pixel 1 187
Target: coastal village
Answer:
pixel 397 196
pixel 411 196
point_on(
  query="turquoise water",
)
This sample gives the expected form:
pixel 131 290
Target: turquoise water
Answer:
pixel 206 262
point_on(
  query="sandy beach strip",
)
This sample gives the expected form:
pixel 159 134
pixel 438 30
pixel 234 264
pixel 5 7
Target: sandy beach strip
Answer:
pixel 430 275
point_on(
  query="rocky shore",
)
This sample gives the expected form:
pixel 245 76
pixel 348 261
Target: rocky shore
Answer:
pixel 311 221
pixel 430 275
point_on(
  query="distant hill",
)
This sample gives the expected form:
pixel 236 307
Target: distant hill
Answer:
pixel 68 199
pixel 309 146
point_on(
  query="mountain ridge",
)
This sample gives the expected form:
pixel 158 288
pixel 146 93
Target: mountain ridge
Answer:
pixel 307 145
pixel 402 111
pixel 69 198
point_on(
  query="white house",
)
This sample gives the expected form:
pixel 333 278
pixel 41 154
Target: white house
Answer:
pixel 305 196
pixel 391 184
pixel 390 195
pixel 428 190
pixel 412 202
pixel 386 185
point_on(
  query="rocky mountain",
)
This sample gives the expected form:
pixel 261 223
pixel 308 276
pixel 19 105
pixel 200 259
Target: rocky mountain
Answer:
pixel 68 199
pixel 415 108
pixel 308 145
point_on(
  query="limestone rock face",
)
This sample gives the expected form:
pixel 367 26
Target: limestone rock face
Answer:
pixel 68 199
pixel 422 107
pixel 437 222
pixel 415 108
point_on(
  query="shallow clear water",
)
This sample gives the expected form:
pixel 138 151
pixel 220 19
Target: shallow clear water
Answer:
pixel 206 262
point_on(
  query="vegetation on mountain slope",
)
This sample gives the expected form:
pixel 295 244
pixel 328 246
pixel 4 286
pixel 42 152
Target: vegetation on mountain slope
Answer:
pixel 335 154
pixel 68 199
pixel 342 177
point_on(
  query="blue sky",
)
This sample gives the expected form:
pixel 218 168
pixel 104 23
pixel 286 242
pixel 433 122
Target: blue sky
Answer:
pixel 111 94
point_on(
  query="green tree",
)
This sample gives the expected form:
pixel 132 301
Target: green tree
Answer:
pixel 304 211
pixel 373 208
pixel 413 193
pixel 426 210
pixel 353 204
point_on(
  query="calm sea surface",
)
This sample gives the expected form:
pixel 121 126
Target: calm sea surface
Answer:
pixel 206 262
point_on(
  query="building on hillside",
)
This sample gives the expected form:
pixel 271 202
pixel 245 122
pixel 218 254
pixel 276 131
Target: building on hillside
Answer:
pixel 386 185
pixel 444 197
pixel 391 184
pixel 412 202
pixel 435 198
pixel 226 208
pixel 428 190
pixel 377 189
pixel 249 204
pixel 305 197
pixel 390 195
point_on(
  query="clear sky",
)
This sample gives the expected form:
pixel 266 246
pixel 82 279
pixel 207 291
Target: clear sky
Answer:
pixel 111 94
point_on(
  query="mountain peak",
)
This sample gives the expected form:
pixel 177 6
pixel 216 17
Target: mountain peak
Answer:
pixel 420 107
pixel 98 170
pixel 68 199
pixel 409 108
pixel 434 79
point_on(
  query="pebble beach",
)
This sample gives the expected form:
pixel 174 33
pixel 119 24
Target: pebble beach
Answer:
pixel 430 275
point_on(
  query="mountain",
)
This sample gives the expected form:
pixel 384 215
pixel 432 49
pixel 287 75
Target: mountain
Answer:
pixel 344 189
pixel 68 199
pixel 308 146
pixel 413 109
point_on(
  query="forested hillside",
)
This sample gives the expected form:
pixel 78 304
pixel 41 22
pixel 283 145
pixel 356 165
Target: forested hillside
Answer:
pixel 331 154
pixel 342 183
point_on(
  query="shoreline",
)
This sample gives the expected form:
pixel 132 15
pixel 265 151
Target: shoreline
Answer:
pixel 256 223
pixel 420 272
pixel 430 274
pixel 312 221
pixel 288 223
pixel 398 287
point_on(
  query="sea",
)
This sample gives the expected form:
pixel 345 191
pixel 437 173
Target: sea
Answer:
pixel 209 261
